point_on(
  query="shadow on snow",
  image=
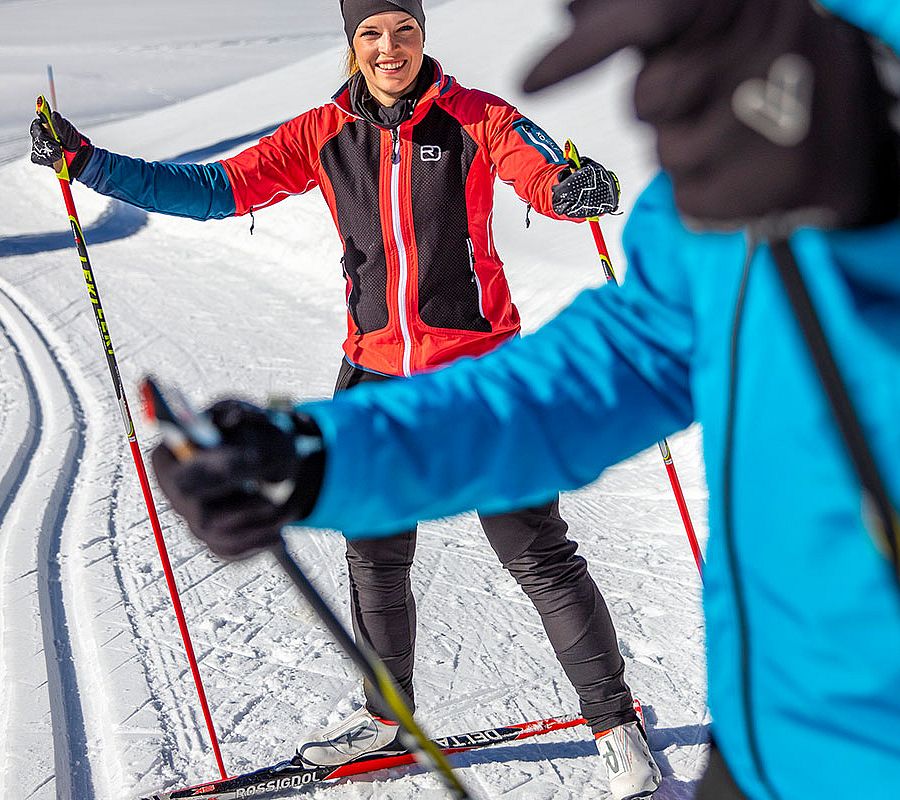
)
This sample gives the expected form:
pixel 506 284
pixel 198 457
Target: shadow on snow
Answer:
pixel 120 220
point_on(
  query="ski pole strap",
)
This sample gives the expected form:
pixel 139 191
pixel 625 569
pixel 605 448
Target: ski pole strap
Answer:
pixel 878 509
pixel 43 110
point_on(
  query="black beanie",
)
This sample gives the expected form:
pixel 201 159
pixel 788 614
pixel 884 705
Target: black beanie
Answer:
pixel 356 11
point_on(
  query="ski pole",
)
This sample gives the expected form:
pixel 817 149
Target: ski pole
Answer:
pixel 880 516
pixel 426 751
pixel 62 173
pixel 185 432
pixel 571 153
pixel 52 84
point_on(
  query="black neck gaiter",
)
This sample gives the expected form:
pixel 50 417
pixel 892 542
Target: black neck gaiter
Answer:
pixel 366 106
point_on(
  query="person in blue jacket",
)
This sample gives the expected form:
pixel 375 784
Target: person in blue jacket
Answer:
pixel 774 131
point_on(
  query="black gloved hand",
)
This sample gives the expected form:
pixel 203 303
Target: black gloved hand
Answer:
pixel 587 192
pixel 228 494
pixel 46 151
pixel 763 108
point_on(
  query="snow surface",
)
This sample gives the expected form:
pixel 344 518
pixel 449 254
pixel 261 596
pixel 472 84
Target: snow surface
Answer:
pixel 97 700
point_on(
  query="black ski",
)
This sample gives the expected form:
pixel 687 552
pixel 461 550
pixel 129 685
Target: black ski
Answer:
pixel 288 775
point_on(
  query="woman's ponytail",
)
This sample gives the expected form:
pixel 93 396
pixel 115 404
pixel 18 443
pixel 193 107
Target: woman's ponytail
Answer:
pixel 351 65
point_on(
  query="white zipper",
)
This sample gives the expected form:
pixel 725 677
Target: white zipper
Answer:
pixel 471 247
pixel 401 251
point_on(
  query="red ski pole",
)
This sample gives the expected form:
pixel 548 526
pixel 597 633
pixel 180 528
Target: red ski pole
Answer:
pixel 62 172
pixel 572 154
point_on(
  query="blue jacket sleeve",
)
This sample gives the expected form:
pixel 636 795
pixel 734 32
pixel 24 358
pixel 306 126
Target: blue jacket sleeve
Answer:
pixel 605 379
pixel 881 18
pixel 198 191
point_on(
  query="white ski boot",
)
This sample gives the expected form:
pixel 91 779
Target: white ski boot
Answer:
pixel 630 766
pixel 361 734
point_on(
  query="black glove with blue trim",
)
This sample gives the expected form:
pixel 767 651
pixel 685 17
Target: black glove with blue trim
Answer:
pixel 764 110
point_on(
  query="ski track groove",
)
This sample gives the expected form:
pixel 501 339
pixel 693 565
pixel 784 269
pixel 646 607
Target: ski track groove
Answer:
pixel 167 725
pixel 72 765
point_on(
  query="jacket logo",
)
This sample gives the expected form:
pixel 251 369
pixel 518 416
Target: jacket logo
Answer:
pixel 431 152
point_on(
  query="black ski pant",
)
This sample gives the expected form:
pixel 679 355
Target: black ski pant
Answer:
pixel 532 545
pixel 717 782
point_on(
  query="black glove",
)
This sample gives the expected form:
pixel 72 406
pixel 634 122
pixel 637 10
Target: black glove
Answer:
pixel 46 151
pixel 768 108
pixel 229 494
pixel 587 192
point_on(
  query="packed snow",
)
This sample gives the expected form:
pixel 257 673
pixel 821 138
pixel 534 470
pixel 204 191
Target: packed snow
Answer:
pixel 97 700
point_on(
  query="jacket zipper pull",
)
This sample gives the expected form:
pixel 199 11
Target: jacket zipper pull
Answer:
pixel 395 137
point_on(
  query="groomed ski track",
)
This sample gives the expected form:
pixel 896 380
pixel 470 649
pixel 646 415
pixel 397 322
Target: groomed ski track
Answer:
pixel 97 701
pixel 36 492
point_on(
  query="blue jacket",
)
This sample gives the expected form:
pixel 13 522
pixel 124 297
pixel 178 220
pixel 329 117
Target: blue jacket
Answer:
pixel 803 614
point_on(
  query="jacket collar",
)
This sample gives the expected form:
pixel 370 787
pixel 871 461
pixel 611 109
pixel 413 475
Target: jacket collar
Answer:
pixel 438 87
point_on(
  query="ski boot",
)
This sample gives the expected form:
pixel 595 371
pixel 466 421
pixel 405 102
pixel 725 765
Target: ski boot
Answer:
pixel 361 734
pixel 631 769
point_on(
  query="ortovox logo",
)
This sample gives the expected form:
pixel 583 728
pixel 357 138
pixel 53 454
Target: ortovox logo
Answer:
pixel 780 107
pixel 431 152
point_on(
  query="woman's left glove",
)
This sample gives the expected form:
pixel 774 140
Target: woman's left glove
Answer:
pixel 237 496
pixel 588 192
pixel 46 151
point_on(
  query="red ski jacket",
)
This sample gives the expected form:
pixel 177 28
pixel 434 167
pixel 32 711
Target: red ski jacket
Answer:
pixel 425 284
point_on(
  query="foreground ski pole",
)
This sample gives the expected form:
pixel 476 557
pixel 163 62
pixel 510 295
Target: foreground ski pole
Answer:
pixel 43 111
pixel 594 222
pixel 426 751
pixel 185 432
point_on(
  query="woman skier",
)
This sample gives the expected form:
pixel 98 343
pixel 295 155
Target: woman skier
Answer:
pixel 406 159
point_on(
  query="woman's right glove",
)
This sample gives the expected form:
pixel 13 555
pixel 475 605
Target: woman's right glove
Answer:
pixel 46 151
pixel 236 497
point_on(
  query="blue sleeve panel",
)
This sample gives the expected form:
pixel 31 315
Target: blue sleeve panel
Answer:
pixel 599 383
pixel 198 191
pixel 534 136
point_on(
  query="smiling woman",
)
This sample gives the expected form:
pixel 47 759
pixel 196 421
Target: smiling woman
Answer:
pixel 387 42
pixel 407 159
pixel 389 49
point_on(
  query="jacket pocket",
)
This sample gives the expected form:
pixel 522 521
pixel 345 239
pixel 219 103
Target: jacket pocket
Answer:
pixel 366 288
pixel 450 293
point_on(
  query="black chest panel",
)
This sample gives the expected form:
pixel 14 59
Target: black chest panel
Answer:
pixel 442 155
pixel 449 295
pixel 351 160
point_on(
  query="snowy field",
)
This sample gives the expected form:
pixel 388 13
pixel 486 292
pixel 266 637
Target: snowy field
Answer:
pixel 96 701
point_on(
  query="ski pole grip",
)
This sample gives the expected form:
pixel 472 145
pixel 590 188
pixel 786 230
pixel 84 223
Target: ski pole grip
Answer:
pixel 572 154
pixel 43 110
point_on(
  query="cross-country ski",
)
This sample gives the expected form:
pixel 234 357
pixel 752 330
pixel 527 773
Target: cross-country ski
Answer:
pixel 293 774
